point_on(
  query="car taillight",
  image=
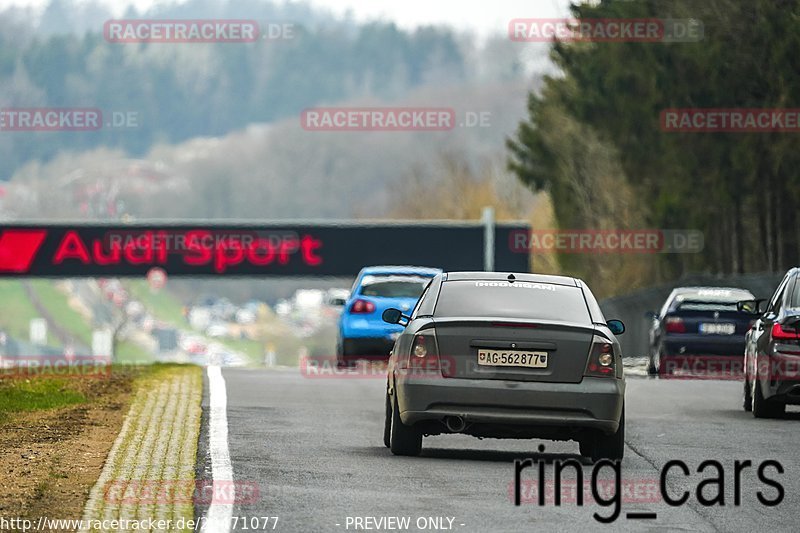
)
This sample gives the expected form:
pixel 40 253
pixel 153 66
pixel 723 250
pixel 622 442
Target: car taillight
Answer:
pixel 674 324
pixel 782 333
pixel 362 307
pixel 420 347
pixel 424 352
pixel 602 359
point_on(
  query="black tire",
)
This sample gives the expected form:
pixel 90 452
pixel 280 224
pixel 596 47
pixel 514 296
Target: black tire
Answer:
pixel 403 439
pixel 747 402
pixel 585 445
pixel 387 424
pixel 664 370
pixel 651 365
pixel 341 362
pixel 763 408
pixel 610 446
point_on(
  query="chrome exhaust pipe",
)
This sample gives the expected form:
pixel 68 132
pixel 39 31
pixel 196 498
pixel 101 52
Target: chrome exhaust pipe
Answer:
pixel 455 424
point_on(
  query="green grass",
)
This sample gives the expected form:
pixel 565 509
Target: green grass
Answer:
pixel 161 303
pixel 254 350
pixel 130 353
pixel 57 304
pixel 16 310
pixel 37 393
pixel 18 395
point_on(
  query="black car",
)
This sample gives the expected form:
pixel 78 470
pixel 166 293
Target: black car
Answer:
pixel 697 323
pixel 506 356
pixel 772 353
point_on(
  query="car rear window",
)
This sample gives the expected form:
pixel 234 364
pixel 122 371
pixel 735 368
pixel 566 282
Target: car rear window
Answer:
pixel 393 286
pixel 707 306
pixel 794 302
pixel 502 299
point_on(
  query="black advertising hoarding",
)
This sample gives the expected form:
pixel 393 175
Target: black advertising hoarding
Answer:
pixel 270 249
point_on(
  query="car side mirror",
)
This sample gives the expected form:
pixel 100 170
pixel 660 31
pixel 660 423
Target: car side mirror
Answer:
pixel 751 307
pixel 617 327
pixel 395 316
pixel 651 315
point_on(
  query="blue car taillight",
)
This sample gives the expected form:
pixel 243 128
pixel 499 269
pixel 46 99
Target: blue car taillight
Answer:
pixel 362 307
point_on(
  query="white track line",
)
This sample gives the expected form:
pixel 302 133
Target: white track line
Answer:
pixel 218 518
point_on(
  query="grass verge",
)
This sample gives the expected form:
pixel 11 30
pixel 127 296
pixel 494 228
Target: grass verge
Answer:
pixel 57 304
pixel 16 318
pixel 18 395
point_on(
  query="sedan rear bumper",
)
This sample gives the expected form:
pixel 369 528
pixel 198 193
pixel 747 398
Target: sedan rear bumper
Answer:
pixel 367 348
pixel 595 403
pixel 697 344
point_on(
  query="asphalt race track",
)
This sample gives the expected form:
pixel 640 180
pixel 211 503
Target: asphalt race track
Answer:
pixel 314 448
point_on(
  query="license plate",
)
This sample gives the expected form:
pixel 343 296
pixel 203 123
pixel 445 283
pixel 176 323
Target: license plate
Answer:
pixel 512 358
pixel 718 329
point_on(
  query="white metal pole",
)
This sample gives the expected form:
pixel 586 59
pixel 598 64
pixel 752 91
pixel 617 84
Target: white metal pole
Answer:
pixel 488 239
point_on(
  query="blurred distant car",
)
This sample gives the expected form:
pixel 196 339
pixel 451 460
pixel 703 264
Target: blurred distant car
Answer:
pixel 245 316
pixel 308 299
pixel 336 297
pixel 772 352
pixel 193 345
pixel 335 300
pixel 217 330
pixel 283 308
pixel 697 322
pixel 199 318
pixel 223 309
pixel 362 332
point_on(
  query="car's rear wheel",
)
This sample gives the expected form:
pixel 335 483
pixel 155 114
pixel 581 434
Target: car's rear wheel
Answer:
pixel 763 408
pixel 652 368
pixel 747 403
pixel 341 361
pixel 403 439
pixel 664 369
pixel 585 446
pixel 387 424
pixel 610 446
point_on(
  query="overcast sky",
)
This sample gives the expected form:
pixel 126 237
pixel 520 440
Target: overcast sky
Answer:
pixel 483 16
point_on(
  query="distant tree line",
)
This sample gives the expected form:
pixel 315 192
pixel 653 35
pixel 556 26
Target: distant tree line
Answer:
pixel 594 137
pixel 180 91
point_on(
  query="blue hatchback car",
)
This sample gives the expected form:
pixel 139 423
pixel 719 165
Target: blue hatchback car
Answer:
pixel 362 332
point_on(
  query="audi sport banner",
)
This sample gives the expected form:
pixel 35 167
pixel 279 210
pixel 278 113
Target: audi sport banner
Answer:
pixel 210 249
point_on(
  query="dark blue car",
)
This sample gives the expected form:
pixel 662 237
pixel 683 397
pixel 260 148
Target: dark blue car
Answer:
pixel 697 323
